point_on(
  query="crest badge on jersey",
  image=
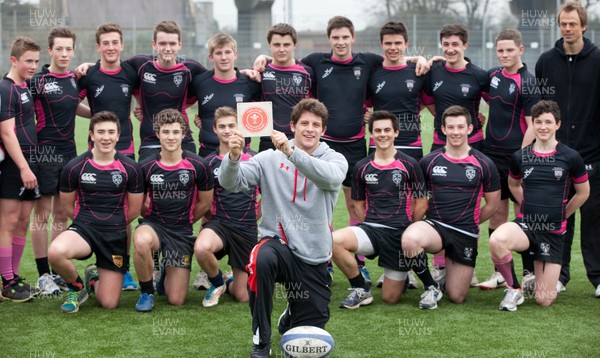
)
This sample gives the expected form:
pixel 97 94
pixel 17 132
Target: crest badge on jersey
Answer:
pixel 125 89
pixel 410 84
pixel 117 178
pixel 397 177
pixel 297 78
pixel 558 172
pixel 511 88
pixel 468 252
pixel 177 79
pixel 118 260
pixel 545 247
pixel 184 177
pixel 357 72
pixel 464 88
pixel 470 172
pixel 239 98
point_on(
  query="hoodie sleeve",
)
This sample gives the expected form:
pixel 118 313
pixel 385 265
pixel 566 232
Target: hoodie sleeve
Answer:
pixel 327 171
pixel 239 176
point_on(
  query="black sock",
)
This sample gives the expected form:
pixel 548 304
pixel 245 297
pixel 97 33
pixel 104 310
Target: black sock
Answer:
pixel 147 287
pixel 217 280
pixel 527 258
pixel 127 258
pixel 42 265
pixel 419 265
pixel 359 261
pixel 77 285
pixel 359 281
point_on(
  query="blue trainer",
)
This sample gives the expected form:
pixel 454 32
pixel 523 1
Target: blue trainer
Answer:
pixel 128 282
pixel 365 273
pixel 145 303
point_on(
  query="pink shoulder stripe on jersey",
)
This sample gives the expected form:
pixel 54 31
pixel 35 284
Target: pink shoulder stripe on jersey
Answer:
pixel 544 154
pixel 116 165
pixel 219 80
pixel 581 179
pixel 396 164
pixel 62 75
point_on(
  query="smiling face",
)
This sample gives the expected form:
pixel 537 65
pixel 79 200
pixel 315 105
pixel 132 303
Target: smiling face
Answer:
pixel 308 131
pixel 224 128
pixel 457 131
pixel 167 46
pixel 393 47
pixel 341 40
pixel 383 134
pixel 170 136
pixel 453 49
pixel 105 136
pixel 545 127
pixel 110 47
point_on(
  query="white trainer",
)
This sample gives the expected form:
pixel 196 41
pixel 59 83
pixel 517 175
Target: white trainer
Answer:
pixel 430 298
pixel 201 281
pixel 46 286
pixel 495 281
pixel 528 284
pixel 512 299
pixel 212 296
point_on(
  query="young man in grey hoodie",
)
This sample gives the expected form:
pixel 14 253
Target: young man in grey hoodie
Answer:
pixel 299 182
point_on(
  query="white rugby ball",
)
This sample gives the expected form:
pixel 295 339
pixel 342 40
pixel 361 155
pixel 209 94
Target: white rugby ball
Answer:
pixel 306 342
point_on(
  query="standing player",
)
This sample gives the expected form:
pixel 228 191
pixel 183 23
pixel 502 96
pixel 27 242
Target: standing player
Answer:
pixel 300 182
pixel 284 82
pixel 512 94
pixel 457 177
pixel 569 74
pixel 179 192
pixel 18 182
pixel 102 191
pixel 232 228
pixel 223 86
pixel 540 177
pixel 109 86
pixel 56 97
pixel 388 191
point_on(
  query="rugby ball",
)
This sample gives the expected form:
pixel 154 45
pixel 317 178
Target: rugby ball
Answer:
pixel 306 342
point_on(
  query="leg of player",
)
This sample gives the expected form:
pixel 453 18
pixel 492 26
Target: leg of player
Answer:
pixel 176 285
pixel 458 280
pixel 393 285
pixel 239 286
pixel 546 277
pixel 207 244
pixel 108 288
pixel 67 246
pixel 506 238
pixel 346 242
pixel 20 234
pixel 39 242
pixel 145 243
pixel 128 282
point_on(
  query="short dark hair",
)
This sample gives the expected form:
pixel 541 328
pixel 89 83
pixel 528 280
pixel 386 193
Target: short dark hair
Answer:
pixel 393 28
pixel 282 29
pixel 21 45
pixel 170 116
pixel 62 32
pixel 574 6
pixel 510 34
pixel 107 28
pixel 169 27
pixel 338 22
pixel 456 111
pixel 224 111
pixel 455 30
pixel 310 105
pixel 546 107
pixel 383 115
pixel 104 116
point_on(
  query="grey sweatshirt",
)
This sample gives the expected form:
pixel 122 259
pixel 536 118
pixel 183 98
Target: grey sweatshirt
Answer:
pixel 298 195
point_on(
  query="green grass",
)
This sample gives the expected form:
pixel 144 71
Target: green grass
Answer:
pixel 475 328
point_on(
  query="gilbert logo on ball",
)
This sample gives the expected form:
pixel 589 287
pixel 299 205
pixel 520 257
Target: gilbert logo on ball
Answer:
pixel 255 119
pixel 305 342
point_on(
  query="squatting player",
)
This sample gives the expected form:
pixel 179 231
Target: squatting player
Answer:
pixel 300 182
pixel 457 177
pixel 178 193
pixel 388 192
pixel 102 191
pixel 231 229
pixel 541 175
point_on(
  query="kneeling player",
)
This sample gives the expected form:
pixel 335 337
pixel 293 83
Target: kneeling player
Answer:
pixel 101 190
pixel 457 176
pixel 540 176
pixel 388 192
pixel 178 192
pixel 232 229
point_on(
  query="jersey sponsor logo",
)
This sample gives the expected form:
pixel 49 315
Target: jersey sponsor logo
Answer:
pixel 98 91
pixel 327 72
pixel 125 89
pixel 511 88
pixel 184 176
pixel 527 172
pixel 439 171
pixel 52 88
pixel 239 98
pixel 118 260
pixel 468 252
pixel 380 86
pixel 157 179
pixel 470 172
pixel 397 177
pixel 588 167
pixel 371 178
pixel 357 72
pixel 88 178
pixel 269 76
pixel 545 247
pixel 558 172
pixel 207 98
pixel 150 78
pixel 216 172
pixel 177 79
pixel 410 84
pixel 24 98
pixel 464 88
pixel 494 82
pixel 117 178
pixel 437 85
